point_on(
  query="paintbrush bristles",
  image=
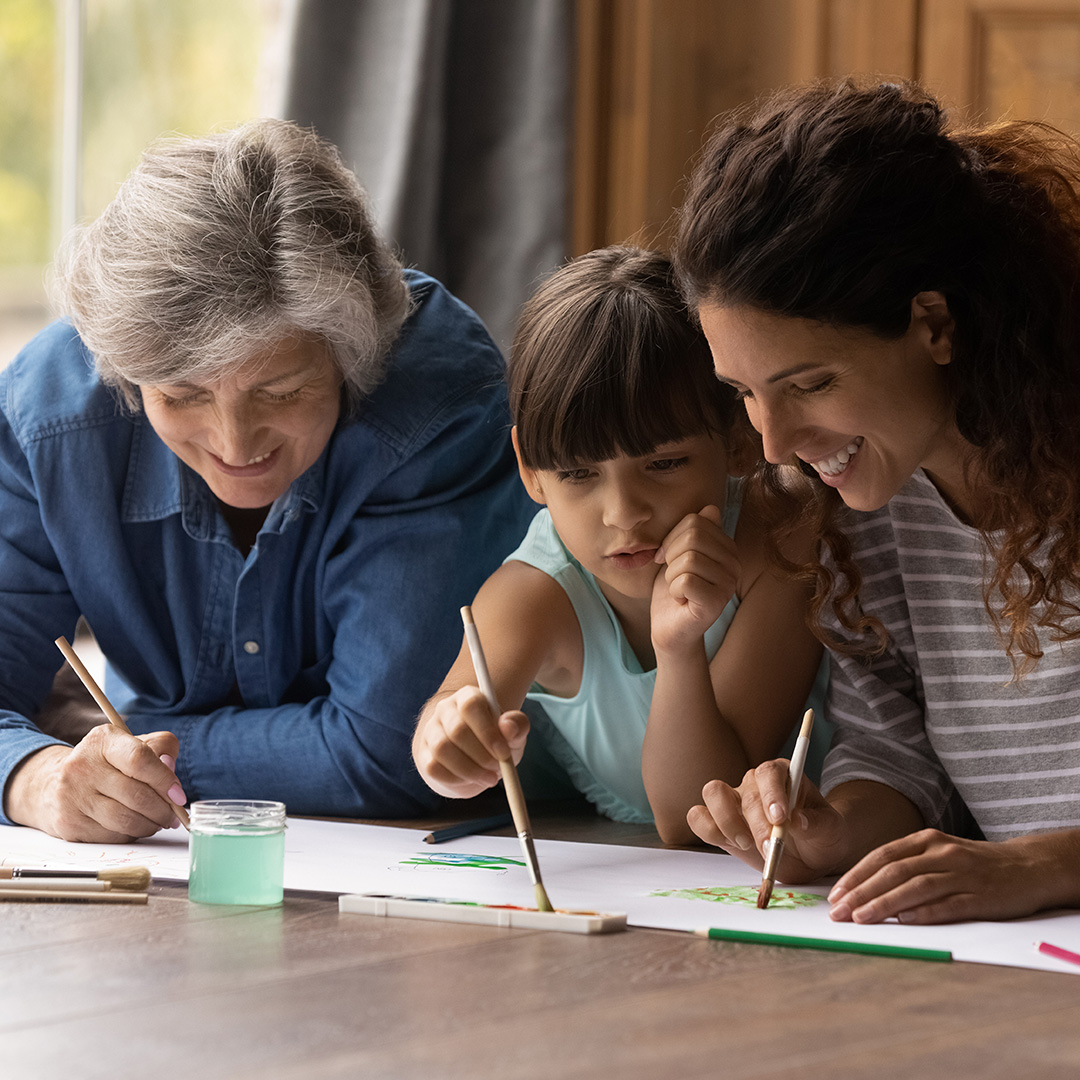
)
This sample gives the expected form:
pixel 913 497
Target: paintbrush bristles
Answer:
pixel 135 878
pixel 772 861
pixel 130 878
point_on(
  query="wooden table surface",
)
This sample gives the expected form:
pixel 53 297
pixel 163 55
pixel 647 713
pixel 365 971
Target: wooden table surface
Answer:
pixel 185 990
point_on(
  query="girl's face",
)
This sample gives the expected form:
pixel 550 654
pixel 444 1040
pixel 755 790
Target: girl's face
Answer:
pixel 613 515
pixel 863 411
pixel 251 434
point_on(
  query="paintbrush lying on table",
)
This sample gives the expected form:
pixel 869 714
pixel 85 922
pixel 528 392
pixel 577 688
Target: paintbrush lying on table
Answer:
pixel 130 878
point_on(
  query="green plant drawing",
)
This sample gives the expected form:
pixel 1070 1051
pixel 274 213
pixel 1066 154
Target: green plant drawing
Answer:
pixel 745 895
pixel 460 860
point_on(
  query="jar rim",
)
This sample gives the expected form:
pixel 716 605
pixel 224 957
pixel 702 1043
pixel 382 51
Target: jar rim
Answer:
pixel 237 815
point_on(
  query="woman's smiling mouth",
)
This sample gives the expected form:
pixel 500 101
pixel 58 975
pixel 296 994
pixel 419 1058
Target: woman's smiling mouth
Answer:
pixel 838 463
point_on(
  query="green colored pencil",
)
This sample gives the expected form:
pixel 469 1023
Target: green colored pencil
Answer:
pixel 824 943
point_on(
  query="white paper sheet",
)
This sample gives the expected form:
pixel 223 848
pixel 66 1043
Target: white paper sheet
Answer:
pixel 339 857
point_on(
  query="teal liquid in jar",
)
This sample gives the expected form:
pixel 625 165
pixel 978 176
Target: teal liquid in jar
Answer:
pixel 237 851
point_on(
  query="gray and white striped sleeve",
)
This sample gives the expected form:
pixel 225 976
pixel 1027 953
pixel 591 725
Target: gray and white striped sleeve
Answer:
pixel 876 705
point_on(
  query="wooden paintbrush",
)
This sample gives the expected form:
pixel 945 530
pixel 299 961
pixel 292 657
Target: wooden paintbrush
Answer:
pixel 510 779
pixel 105 705
pixel 111 896
pixel 118 877
pixel 776 839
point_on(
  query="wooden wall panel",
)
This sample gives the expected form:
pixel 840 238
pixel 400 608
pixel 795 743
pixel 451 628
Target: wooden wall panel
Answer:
pixel 652 75
pixel 994 58
pixel 875 38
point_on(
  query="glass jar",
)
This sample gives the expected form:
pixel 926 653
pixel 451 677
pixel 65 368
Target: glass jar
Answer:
pixel 237 851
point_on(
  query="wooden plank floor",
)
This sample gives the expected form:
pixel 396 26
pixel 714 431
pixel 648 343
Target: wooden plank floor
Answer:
pixel 300 991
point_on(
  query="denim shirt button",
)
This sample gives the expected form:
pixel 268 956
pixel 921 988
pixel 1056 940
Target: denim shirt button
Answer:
pixel 251 647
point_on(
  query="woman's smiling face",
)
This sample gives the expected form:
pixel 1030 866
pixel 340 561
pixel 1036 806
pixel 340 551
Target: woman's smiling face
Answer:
pixel 250 434
pixel 865 412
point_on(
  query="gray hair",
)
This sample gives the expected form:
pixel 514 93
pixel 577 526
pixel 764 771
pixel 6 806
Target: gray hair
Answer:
pixel 217 248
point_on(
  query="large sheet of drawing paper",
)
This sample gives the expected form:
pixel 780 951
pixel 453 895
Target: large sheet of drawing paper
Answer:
pixel 675 890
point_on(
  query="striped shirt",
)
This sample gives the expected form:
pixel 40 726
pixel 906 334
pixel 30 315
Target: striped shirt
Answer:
pixel 938 717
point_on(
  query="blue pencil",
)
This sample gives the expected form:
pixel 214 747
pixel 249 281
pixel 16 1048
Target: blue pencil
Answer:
pixel 468 828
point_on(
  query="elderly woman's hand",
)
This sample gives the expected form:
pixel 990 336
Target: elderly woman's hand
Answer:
pixel 110 788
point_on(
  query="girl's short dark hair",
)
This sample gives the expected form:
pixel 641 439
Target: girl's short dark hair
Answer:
pixel 607 359
pixel 839 202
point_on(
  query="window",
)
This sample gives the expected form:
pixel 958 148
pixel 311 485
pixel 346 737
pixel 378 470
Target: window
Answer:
pixel 134 70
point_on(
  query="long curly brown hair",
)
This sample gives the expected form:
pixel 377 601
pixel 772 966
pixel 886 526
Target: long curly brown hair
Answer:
pixel 839 202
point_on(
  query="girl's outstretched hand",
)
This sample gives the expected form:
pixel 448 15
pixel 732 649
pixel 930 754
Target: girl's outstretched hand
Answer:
pixel 700 569
pixel 740 820
pixel 459 744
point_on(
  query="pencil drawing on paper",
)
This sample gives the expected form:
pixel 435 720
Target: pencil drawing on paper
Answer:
pixel 742 894
pixel 460 860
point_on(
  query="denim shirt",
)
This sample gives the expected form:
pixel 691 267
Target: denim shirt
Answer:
pixel 297 673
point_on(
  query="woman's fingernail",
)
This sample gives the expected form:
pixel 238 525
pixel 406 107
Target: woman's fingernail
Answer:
pixel 744 841
pixel 169 762
pixel 659 556
pixel 176 793
pixel 837 892
pixel 840 913
pixel 776 813
pixel 175 823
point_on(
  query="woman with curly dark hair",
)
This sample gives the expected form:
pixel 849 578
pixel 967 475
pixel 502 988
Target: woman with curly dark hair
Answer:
pixel 897 301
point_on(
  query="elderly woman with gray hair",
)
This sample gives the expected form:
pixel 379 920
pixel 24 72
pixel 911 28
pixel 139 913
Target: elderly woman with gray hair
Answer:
pixel 266 464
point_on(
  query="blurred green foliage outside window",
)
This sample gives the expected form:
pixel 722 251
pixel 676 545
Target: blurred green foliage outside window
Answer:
pixel 150 67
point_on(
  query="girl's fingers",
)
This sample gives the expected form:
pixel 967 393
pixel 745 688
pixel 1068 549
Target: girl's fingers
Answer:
pixel 463 757
pixel 514 726
pixel 468 721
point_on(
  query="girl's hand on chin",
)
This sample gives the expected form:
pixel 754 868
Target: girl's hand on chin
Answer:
pixel 697 579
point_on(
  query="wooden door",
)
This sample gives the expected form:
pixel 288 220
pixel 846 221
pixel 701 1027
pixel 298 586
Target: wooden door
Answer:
pixel 996 58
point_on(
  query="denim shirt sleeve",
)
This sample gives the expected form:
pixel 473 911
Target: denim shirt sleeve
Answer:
pixel 33 596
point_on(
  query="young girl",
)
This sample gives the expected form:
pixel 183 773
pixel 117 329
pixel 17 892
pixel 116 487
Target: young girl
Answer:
pixel 639 611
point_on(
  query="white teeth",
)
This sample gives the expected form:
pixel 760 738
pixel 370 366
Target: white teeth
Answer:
pixel 836 464
pixel 256 460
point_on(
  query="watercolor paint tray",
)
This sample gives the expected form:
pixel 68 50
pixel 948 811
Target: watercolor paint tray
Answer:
pixel 460 911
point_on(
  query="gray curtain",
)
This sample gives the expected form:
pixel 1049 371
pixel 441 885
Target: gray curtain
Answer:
pixel 455 114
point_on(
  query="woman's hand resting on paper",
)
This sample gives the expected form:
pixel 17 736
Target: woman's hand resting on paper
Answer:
pixel 932 877
pixel 111 787
pixel 458 743
pixel 891 866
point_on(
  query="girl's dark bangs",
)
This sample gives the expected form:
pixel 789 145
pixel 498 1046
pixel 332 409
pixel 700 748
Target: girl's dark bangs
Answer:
pixel 607 418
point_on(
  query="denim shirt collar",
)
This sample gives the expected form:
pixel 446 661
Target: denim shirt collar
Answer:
pixel 159 484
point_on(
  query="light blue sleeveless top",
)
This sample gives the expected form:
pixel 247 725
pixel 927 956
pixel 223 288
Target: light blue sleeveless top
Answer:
pixel 597 735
